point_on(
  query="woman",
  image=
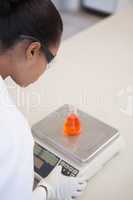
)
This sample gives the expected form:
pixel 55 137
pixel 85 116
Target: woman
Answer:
pixel 30 35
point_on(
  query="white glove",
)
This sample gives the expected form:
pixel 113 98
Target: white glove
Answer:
pixel 61 187
pixel 39 194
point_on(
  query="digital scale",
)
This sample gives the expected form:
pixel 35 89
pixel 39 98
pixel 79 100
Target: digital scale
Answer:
pixel 82 155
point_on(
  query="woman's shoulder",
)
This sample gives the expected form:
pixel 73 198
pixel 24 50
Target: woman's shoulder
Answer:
pixel 15 131
pixel 9 113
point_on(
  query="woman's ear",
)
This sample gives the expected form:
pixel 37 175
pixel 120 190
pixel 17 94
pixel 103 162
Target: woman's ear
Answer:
pixel 33 50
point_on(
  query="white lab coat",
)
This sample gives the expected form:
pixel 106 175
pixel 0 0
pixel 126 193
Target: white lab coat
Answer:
pixel 16 153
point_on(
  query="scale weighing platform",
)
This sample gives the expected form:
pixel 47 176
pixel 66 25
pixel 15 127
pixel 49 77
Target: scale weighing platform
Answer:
pixel 82 155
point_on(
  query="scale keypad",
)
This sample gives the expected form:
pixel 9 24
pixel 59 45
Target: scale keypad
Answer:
pixel 68 170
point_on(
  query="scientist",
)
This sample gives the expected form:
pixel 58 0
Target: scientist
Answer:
pixel 30 35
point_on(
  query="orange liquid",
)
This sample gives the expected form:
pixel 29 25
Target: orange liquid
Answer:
pixel 72 125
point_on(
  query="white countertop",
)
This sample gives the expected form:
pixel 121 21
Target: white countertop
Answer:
pixel 93 71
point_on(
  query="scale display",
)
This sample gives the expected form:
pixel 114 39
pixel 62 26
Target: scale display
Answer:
pixel 44 161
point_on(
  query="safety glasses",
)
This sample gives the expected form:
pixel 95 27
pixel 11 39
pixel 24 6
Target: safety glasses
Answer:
pixel 49 56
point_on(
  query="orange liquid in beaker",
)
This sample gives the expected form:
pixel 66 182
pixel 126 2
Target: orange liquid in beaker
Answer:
pixel 72 125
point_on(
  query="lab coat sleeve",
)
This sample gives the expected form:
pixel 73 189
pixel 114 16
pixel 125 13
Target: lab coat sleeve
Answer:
pixel 39 194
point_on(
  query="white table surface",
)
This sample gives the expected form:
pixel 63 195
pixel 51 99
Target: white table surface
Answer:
pixel 94 71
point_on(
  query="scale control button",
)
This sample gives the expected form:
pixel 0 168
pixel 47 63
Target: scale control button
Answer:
pixel 73 175
pixel 62 163
pixel 75 171
pixel 63 170
pixel 70 169
pixel 66 166
pixel 66 172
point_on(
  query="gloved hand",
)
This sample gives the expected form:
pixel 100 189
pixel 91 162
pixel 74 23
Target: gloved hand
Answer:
pixel 61 187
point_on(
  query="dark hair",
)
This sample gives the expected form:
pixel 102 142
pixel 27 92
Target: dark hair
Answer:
pixel 37 18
